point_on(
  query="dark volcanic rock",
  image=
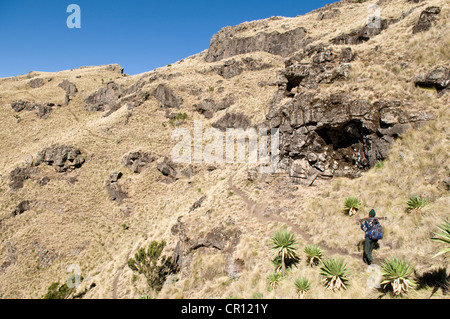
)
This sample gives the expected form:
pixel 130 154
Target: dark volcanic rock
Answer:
pixel 70 88
pixel 427 17
pixel 21 105
pixel 166 97
pixel 168 168
pixel 227 42
pixel 18 177
pixel 42 110
pixel 62 157
pixel 337 135
pixel 137 161
pixel 112 97
pixel 220 239
pixel 36 83
pixel 21 208
pixel 438 78
pixel 105 99
pixel 209 106
pixel 232 121
pixel 315 65
pixel 115 191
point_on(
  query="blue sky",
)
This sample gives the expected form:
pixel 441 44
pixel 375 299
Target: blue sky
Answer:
pixel 139 35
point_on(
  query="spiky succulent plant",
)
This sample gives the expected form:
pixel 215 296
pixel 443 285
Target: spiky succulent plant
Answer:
pixel 351 205
pixel 335 273
pixel 285 245
pixel 416 203
pixel 396 274
pixel 443 237
pixel 313 254
pixel 302 285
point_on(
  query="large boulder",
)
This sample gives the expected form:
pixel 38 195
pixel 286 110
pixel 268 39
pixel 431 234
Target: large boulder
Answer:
pixel 137 161
pixel 70 88
pixel 20 105
pixel 21 208
pixel 18 176
pixel 426 19
pixel 63 158
pixel 209 106
pixel 115 191
pixel 438 78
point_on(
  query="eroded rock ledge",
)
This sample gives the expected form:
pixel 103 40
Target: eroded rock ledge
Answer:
pixel 326 135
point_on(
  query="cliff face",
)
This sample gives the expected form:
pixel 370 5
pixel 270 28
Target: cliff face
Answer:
pixel 87 175
pixel 228 43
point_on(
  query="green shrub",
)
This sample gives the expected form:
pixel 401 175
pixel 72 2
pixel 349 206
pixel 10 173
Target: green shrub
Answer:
pixel 152 265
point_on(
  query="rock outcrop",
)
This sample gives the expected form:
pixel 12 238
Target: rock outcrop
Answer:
pixel 426 19
pixel 63 158
pixel 18 176
pixel 112 97
pixel 137 161
pixel 115 191
pixel 70 88
pixel 438 78
pixel 36 83
pixel 209 106
pixel 166 97
pixel 315 65
pixel 21 208
pixel 232 121
pixel 219 239
pixel 337 135
pixel 228 42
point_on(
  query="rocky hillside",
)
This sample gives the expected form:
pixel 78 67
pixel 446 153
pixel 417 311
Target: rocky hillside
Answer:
pixel 359 93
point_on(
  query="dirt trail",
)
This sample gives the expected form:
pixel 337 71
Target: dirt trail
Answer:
pixel 257 210
pixel 116 279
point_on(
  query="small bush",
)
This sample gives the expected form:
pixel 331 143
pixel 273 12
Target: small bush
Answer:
pixel 152 265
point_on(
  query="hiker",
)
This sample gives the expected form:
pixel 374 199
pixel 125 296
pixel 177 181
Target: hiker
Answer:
pixel 368 226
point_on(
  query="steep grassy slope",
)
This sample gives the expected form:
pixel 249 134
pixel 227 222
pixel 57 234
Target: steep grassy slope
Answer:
pixel 73 221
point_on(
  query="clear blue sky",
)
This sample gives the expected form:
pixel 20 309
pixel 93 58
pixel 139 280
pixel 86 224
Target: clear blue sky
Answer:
pixel 137 34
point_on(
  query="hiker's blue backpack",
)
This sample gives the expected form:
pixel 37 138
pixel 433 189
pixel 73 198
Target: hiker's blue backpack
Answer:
pixel 377 232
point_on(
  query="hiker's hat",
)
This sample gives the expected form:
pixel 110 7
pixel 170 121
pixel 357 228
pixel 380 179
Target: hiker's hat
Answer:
pixel 372 213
